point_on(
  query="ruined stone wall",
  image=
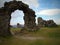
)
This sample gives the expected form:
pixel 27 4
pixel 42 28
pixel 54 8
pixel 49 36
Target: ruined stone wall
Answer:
pixel 41 22
pixel 44 23
pixel 51 23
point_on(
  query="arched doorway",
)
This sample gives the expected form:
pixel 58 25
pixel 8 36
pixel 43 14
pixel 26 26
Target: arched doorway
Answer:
pixel 17 17
pixel 16 22
pixel 5 16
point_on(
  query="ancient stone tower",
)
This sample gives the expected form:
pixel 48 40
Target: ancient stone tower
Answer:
pixel 5 16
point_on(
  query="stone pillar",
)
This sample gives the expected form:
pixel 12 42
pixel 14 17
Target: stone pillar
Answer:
pixel 4 23
pixel 29 19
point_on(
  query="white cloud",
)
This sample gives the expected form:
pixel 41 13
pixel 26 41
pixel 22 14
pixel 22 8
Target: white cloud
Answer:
pixel 49 12
pixel 17 13
pixel 57 21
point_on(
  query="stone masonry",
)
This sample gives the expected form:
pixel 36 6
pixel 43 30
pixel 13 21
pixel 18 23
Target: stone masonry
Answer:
pixel 5 16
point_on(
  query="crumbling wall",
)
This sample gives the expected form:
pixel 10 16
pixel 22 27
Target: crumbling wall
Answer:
pixel 44 23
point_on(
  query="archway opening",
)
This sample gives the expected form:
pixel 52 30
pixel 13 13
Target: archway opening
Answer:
pixel 17 21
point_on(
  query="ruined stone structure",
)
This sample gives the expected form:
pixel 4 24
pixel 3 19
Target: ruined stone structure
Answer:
pixel 19 25
pixel 5 16
pixel 51 23
pixel 41 22
pixel 44 23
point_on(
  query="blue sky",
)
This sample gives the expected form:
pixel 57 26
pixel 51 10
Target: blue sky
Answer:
pixel 47 9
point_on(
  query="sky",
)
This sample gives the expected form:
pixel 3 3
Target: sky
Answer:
pixel 47 9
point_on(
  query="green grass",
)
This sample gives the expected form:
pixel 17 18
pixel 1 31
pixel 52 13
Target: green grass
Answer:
pixel 44 32
pixel 51 35
pixel 13 41
pixel 15 29
pixel 46 42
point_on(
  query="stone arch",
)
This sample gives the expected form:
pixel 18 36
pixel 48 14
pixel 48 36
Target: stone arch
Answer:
pixel 5 16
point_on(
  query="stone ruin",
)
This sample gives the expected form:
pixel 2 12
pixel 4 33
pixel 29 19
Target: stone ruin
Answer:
pixel 51 23
pixel 40 22
pixel 19 25
pixel 5 16
pixel 44 23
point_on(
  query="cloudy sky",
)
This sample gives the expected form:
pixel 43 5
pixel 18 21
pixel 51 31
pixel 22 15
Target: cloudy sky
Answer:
pixel 47 9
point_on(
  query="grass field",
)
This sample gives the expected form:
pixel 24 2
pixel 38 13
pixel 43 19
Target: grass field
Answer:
pixel 51 37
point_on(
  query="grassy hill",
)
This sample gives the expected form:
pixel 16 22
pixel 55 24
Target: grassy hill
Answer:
pixel 51 37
